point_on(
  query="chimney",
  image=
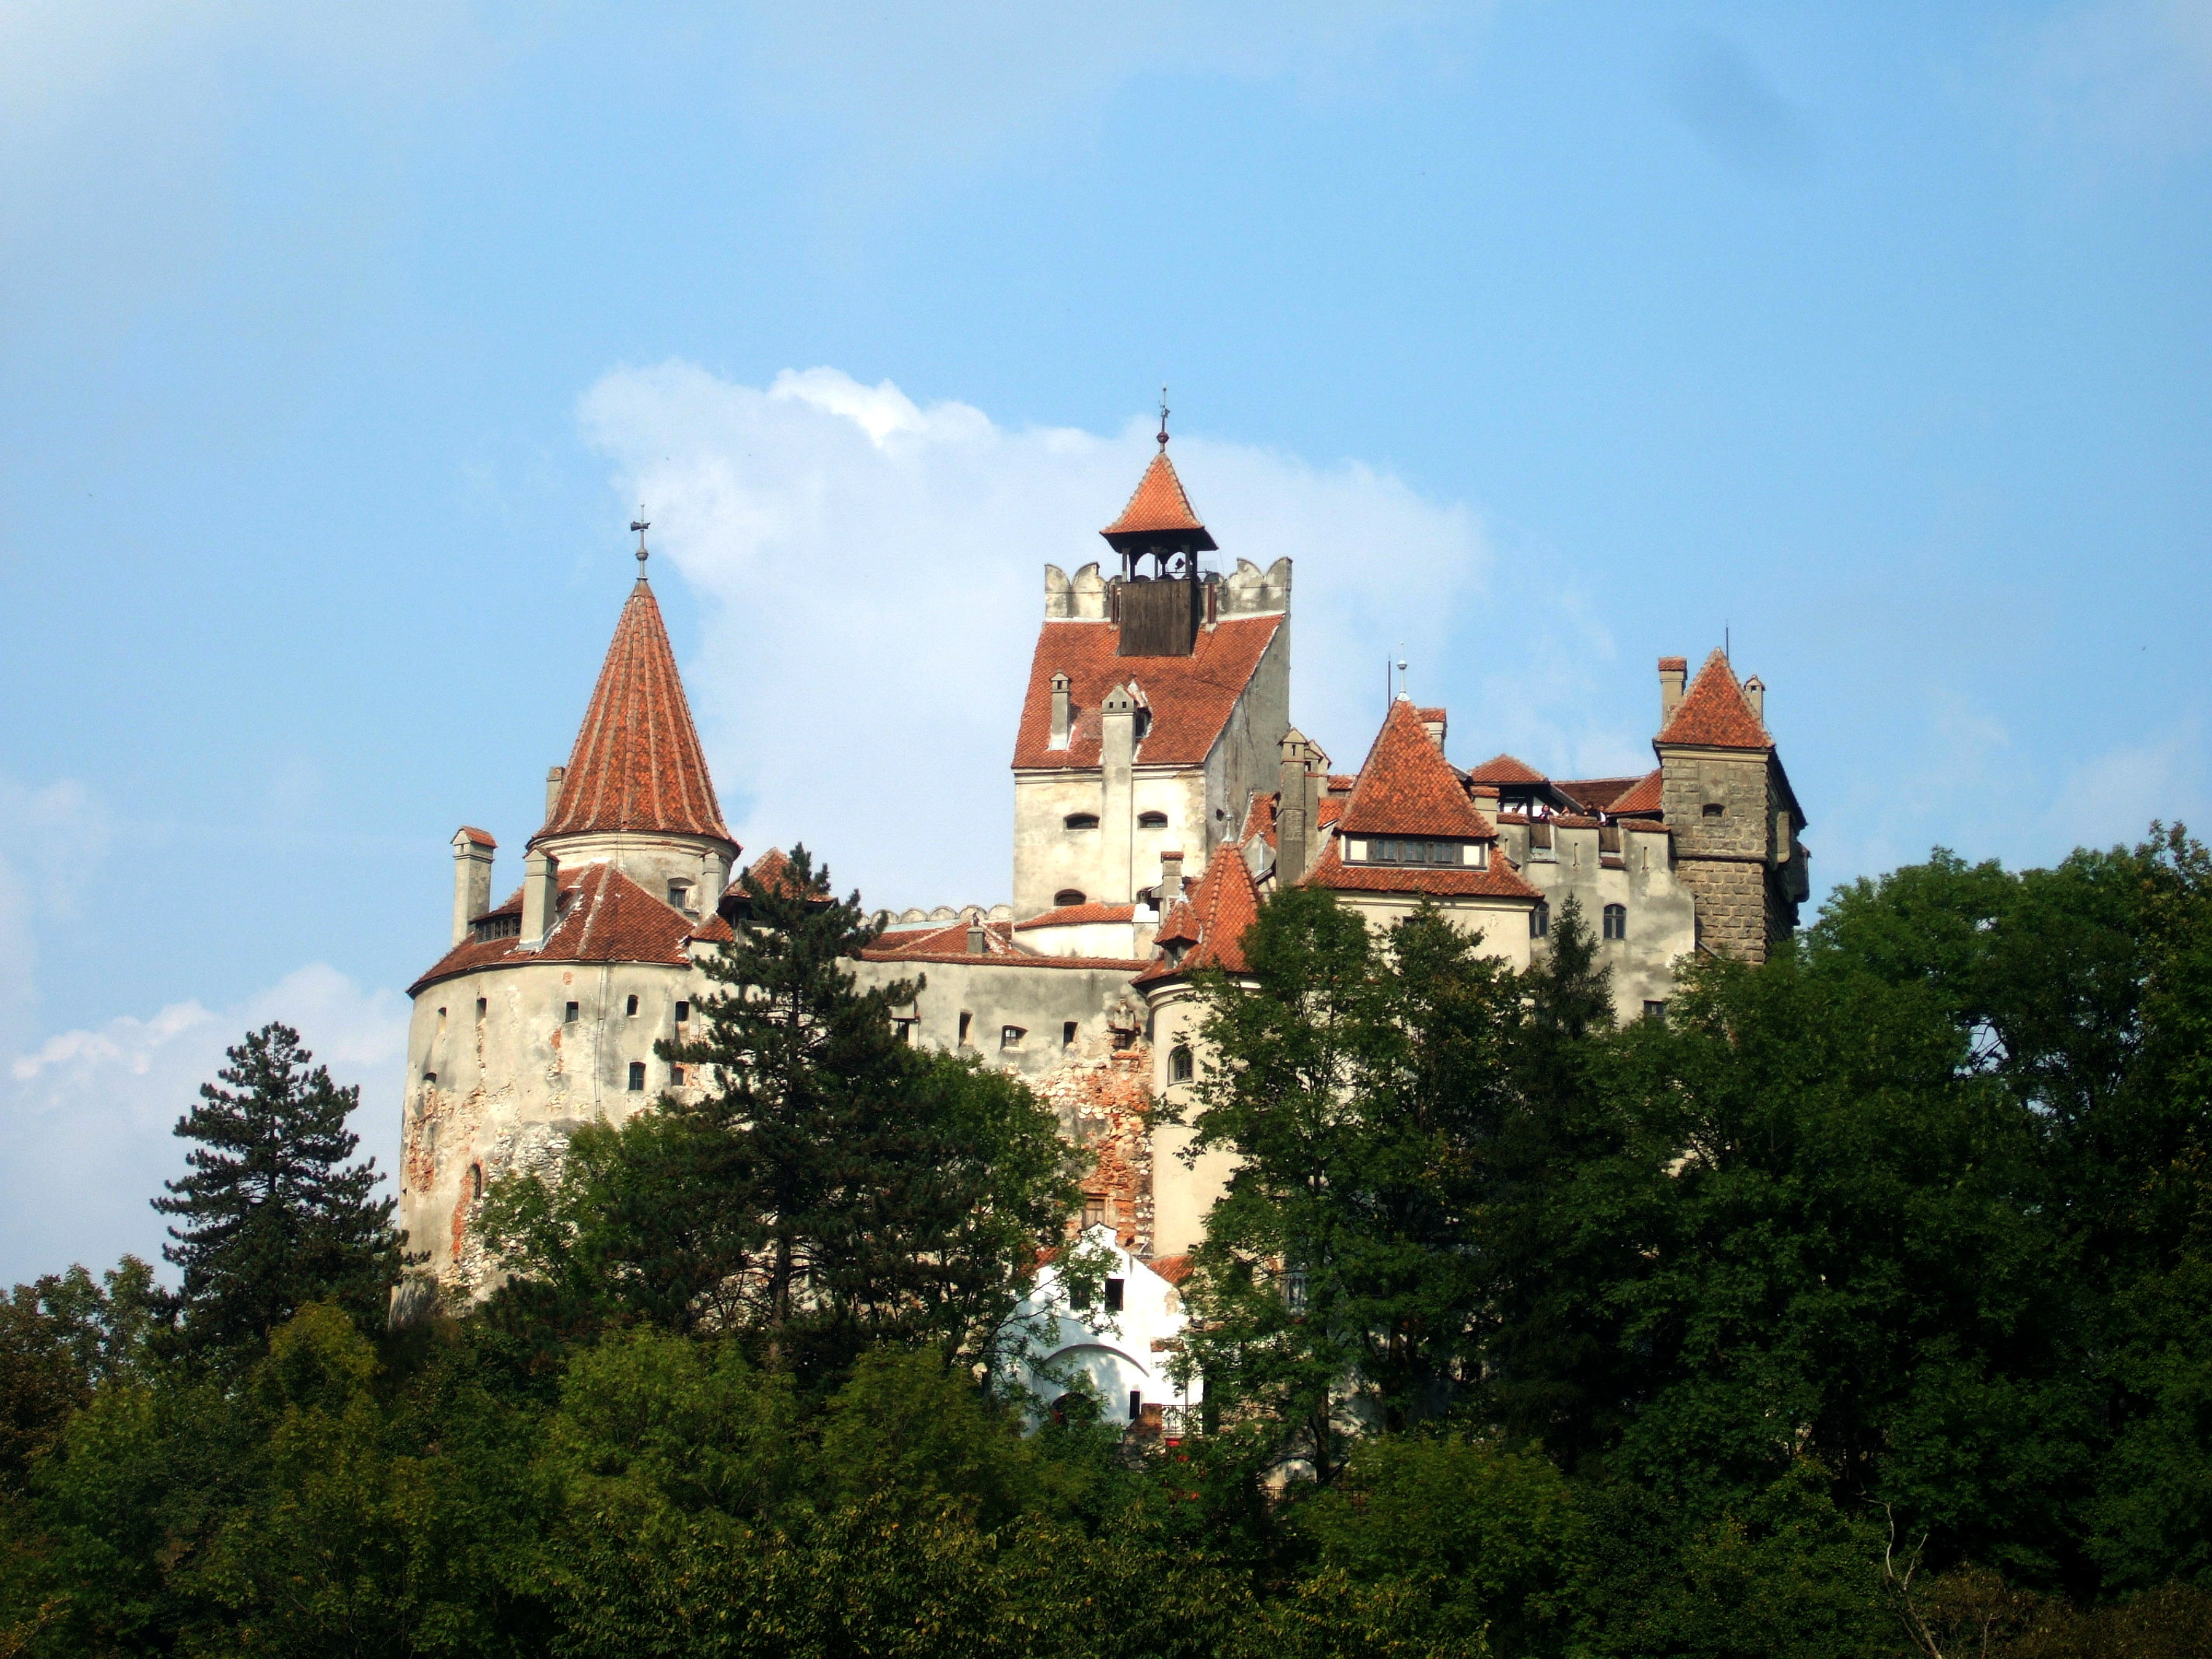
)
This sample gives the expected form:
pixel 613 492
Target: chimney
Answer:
pixel 553 777
pixel 716 877
pixel 1754 693
pixel 1170 876
pixel 1672 671
pixel 1060 712
pixel 1432 722
pixel 540 902
pixel 979 942
pixel 472 851
pixel 1117 755
pixel 1292 822
pixel 1485 797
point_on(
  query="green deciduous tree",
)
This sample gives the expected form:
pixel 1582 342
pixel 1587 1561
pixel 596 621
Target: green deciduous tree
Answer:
pixel 273 1215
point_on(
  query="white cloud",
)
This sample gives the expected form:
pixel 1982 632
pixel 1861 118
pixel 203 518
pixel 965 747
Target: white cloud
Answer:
pixel 50 838
pixel 874 573
pixel 86 1117
pixel 2112 799
pixel 2123 77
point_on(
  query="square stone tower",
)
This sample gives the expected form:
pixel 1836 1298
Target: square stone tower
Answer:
pixel 1734 818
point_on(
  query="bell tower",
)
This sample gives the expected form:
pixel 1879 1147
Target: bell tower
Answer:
pixel 1159 601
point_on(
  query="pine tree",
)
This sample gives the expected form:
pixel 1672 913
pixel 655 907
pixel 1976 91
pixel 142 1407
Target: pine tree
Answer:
pixel 273 1216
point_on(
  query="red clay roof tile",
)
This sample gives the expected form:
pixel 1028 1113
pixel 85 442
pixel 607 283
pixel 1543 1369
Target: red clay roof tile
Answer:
pixel 1713 713
pixel 1071 916
pixel 609 918
pixel 1191 698
pixel 469 832
pixel 1505 769
pixel 1408 788
pixel 1595 795
pixel 1158 504
pixel 637 764
pixel 1642 796
pixel 1225 905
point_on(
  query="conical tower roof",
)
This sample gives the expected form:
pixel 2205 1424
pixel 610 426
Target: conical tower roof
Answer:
pixel 1158 513
pixel 1716 714
pixel 637 765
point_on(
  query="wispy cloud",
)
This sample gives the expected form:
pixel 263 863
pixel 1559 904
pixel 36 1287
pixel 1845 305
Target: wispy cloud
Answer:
pixel 2120 79
pixel 86 1116
pixel 874 570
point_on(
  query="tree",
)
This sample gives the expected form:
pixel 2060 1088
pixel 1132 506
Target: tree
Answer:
pixel 834 1189
pixel 1360 1083
pixel 274 1217
pixel 60 1338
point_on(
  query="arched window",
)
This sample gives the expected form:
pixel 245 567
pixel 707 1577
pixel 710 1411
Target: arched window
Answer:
pixel 1713 809
pixel 1540 921
pixel 1152 820
pixel 1180 1065
pixel 1616 921
pixel 1067 897
pixel 1081 821
pixel 476 1182
pixel 637 1077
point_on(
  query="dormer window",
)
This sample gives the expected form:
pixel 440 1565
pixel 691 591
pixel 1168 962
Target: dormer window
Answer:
pixel 1152 820
pixel 484 929
pixel 679 895
pixel 1406 849
pixel 1081 821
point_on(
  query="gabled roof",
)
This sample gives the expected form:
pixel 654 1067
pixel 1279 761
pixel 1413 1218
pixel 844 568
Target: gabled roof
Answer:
pixel 609 918
pixel 1190 698
pixel 1216 917
pixel 1407 788
pixel 1714 713
pixel 947 942
pixel 772 871
pixel 637 764
pixel 1595 795
pixel 1158 507
pixel 470 833
pixel 1075 915
pixel 1643 796
pixel 1505 769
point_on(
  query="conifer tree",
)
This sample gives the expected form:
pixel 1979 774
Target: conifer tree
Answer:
pixel 272 1215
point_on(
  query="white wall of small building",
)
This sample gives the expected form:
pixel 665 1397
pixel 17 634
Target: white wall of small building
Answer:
pixel 1120 1355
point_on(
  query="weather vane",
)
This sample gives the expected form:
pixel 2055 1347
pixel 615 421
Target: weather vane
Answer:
pixel 1163 418
pixel 640 525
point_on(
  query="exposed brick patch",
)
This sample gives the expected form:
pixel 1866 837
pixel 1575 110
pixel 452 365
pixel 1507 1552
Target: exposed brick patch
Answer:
pixel 1102 1101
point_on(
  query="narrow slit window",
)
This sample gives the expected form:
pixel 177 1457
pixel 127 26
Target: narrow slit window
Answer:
pixel 966 1020
pixel 1114 1296
pixel 632 1009
pixel 682 1012
pixel 1067 1034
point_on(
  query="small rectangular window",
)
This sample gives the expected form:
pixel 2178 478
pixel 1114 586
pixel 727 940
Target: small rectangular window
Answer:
pixel 484 1007
pixel 637 1077
pixel 1068 1034
pixel 1009 1036
pixel 1079 1298
pixel 1094 1209
pixel 682 1012
pixel 675 1075
pixel 1136 1404
pixel 569 1016
pixel 1113 1296
pixel 966 1020
pixel 1656 1010
pixel 632 1009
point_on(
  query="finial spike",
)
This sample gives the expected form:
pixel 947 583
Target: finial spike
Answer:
pixel 640 525
pixel 1163 418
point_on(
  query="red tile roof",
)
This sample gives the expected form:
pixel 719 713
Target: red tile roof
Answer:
pixel 1190 698
pixel 1713 713
pixel 1504 768
pixel 1407 788
pixel 469 832
pixel 1646 826
pixel 1260 818
pixel 610 919
pixel 1341 783
pixel 637 764
pixel 1500 880
pixel 1595 795
pixel 1071 916
pixel 1173 1268
pixel 1225 904
pixel 1642 796
pixel 772 871
pixel 1158 504
pixel 1678 664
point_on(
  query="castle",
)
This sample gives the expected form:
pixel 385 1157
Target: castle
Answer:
pixel 1160 794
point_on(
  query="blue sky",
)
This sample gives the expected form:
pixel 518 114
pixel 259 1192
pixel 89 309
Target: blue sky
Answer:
pixel 1548 338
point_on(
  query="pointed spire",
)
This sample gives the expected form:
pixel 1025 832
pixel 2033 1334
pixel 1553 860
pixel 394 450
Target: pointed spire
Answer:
pixel 1407 788
pixel 1159 517
pixel 1714 714
pixel 637 764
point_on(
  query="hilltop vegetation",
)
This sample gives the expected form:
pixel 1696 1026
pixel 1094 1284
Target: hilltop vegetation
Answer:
pixel 1861 1306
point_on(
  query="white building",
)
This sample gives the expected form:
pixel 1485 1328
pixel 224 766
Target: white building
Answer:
pixel 1117 1345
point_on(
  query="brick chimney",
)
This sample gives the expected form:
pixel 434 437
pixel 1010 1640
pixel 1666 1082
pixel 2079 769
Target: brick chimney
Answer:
pixel 1673 672
pixel 472 853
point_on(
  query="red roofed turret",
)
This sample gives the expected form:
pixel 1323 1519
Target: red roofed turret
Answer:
pixel 1715 714
pixel 1407 788
pixel 637 765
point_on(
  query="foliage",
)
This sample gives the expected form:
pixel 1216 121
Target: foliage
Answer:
pixel 274 1216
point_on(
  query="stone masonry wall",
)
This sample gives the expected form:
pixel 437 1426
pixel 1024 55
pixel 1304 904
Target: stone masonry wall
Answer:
pixel 1102 1103
pixel 1723 856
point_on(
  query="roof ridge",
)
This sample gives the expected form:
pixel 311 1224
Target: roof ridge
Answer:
pixel 1714 714
pixel 1407 788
